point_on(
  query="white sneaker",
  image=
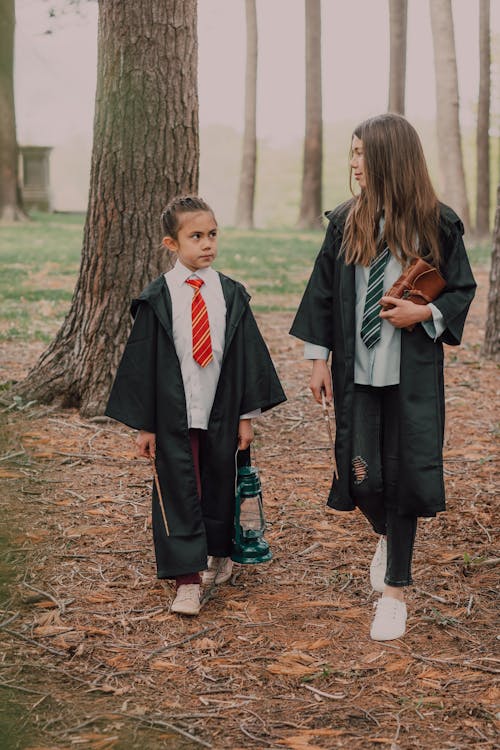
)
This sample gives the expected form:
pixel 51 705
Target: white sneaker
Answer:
pixel 378 566
pixel 187 599
pixel 219 571
pixel 390 619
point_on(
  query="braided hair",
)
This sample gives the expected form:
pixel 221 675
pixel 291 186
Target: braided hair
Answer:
pixel 181 204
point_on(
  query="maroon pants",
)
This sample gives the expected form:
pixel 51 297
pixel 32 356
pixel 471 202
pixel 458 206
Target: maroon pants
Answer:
pixel 194 438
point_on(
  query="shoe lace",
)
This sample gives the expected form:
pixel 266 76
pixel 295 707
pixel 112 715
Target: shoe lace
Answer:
pixel 390 607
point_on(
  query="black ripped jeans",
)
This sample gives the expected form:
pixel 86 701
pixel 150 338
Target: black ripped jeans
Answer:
pixel 374 476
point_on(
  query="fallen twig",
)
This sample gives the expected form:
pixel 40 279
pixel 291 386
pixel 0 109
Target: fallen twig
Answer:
pixel 35 643
pixel 8 456
pixel 59 604
pixel 335 697
pixel 167 725
pixel 12 686
pixel 10 619
pixel 179 643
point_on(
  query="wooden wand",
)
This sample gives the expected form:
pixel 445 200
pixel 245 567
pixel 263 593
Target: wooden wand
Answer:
pixel 330 433
pixel 160 497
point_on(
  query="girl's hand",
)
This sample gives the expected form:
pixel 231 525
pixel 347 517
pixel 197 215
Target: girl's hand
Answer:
pixel 404 313
pixel 146 444
pixel 321 380
pixel 245 434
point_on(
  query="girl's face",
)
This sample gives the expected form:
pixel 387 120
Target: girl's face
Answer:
pixel 357 161
pixel 196 243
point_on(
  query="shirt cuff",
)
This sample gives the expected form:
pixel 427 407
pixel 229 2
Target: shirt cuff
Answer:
pixel 435 327
pixel 315 351
pixel 251 414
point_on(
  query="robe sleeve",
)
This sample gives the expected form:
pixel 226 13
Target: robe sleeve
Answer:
pixel 133 396
pixel 262 387
pixel 313 320
pixel 455 300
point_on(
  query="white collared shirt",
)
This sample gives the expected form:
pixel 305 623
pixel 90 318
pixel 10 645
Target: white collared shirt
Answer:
pixel 379 365
pixel 200 383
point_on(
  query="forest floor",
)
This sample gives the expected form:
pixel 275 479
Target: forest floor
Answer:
pixel 280 657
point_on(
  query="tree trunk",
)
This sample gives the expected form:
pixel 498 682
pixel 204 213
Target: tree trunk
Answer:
pixel 398 16
pixel 491 346
pixel 483 123
pixel 246 194
pixel 448 124
pixel 11 208
pixel 311 197
pixel 145 151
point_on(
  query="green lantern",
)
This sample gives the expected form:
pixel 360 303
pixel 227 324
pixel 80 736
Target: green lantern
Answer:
pixel 249 545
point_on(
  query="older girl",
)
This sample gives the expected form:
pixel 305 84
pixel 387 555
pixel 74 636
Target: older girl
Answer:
pixel 387 381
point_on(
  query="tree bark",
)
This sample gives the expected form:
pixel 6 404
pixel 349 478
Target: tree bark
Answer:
pixel 311 194
pixel 398 18
pixel 483 123
pixel 246 193
pixel 491 346
pixel 11 206
pixel 448 124
pixel 145 151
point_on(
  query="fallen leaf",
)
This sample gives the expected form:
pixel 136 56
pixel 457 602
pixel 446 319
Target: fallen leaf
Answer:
pixel 312 645
pixel 431 674
pixel 205 644
pixel 295 663
pixel 398 665
pixel 8 474
pixel 48 630
pixel 164 665
pixel 87 530
pixel 97 597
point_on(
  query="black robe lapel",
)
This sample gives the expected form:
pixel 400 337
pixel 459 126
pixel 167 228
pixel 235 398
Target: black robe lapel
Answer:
pixel 158 296
pixel 347 303
pixel 235 308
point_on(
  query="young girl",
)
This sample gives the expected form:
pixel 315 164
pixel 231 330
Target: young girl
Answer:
pixel 387 381
pixel 194 372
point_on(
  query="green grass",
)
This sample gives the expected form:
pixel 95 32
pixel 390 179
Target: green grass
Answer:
pixel 480 255
pixel 39 263
pixel 274 265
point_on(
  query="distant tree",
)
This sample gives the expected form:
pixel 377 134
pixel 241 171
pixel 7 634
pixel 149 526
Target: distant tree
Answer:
pixel 246 193
pixel 311 194
pixel 11 206
pixel 447 104
pixel 398 17
pixel 448 124
pixel 483 122
pixel 491 346
pixel 145 150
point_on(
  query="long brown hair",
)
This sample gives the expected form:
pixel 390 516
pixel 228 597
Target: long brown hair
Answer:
pixel 398 187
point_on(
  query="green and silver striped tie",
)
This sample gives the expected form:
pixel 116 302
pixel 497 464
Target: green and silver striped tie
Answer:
pixel 370 326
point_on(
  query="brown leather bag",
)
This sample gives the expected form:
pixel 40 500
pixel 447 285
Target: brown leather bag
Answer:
pixel 420 283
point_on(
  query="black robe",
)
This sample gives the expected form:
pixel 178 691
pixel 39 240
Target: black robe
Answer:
pixel 326 316
pixel 148 394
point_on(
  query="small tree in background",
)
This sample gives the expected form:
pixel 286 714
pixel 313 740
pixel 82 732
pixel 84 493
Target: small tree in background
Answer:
pixel 398 21
pixel 246 193
pixel 145 150
pixel 483 123
pixel 447 101
pixel 11 206
pixel 311 194
pixel 491 346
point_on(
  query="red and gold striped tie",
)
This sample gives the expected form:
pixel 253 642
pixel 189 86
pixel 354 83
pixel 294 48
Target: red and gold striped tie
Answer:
pixel 202 343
